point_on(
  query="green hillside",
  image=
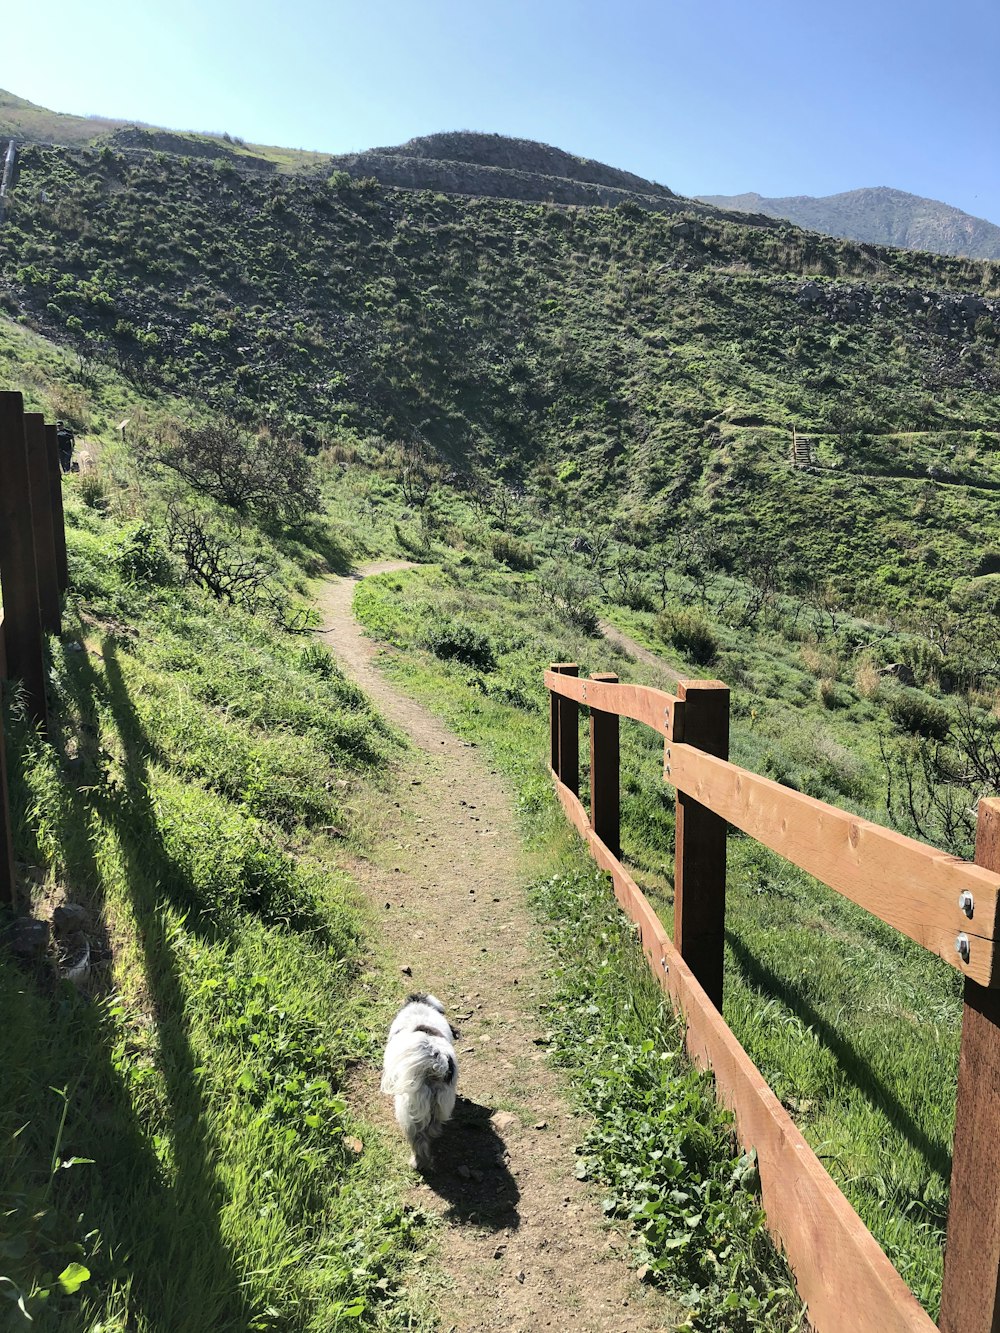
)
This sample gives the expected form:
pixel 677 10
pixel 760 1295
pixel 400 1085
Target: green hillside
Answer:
pixel 566 414
pixel 635 366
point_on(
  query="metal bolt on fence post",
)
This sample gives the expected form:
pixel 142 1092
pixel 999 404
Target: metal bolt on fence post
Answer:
pixel 962 946
pixel 966 903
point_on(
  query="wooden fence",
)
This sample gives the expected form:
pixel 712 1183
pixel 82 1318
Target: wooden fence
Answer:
pixel 947 905
pixel 33 575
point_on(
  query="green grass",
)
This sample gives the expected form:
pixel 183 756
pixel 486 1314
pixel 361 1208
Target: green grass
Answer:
pixel 179 1131
pixel 855 1027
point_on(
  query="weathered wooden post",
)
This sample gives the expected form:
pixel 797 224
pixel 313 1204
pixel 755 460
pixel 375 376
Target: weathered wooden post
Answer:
pixel 605 817
pixel 8 884
pixel 42 522
pixel 18 571
pixel 700 844
pixel 56 505
pixel 565 723
pixel 970 1293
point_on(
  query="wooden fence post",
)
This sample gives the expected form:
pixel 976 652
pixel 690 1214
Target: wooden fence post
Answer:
pixel 569 734
pixel 42 522
pixel 564 717
pixel 18 571
pixel 8 883
pixel 56 506
pixel 700 845
pixel 970 1293
pixel 604 773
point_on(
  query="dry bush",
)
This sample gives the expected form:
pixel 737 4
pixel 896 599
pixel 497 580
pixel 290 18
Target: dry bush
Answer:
pixel 867 680
pixel 69 404
pixel 254 473
pixel 819 662
pixel 826 692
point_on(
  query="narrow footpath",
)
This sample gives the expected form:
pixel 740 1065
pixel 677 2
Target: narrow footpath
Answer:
pixel 522 1244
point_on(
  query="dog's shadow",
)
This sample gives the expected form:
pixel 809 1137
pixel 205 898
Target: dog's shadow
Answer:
pixel 470 1171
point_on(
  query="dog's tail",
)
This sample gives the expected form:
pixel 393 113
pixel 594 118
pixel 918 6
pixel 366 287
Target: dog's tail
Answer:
pixel 423 1062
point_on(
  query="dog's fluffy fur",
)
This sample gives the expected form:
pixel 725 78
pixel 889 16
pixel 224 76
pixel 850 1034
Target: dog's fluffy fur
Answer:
pixel 420 1071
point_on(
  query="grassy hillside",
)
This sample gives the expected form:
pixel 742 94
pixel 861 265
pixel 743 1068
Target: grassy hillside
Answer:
pixel 577 412
pixel 634 367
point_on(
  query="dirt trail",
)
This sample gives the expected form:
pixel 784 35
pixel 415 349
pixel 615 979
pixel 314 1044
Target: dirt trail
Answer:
pixel 620 639
pixel 522 1242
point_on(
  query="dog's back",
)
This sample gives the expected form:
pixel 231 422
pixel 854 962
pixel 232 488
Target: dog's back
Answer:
pixel 420 1071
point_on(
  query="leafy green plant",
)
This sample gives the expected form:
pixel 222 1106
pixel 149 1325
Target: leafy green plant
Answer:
pixel 916 713
pixel 461 642
pixel 511 552
pixel 690 633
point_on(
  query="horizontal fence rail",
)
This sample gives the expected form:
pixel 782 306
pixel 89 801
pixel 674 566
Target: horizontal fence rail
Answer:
pixel 943 903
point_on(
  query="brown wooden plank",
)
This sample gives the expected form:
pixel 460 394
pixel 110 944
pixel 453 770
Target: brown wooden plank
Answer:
pixel 905 883
pixel 18 573
pixel 56 505
pixel 8 882
pixel 659 710
pixel 569 735
pixel 700 844
pixel 970 1293
pixel 605 795
pixel 841 1273
pixel 41 518
pixel 555 710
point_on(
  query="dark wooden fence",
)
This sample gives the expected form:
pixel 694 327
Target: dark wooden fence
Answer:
pixel 946 904
pixel 32 575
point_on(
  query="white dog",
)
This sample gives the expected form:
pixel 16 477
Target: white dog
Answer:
pixel 420 1071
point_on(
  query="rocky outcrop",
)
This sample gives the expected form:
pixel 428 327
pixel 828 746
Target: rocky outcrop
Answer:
pixel 522 155
pixel 132 138
pixel 422 173
pixel 945 312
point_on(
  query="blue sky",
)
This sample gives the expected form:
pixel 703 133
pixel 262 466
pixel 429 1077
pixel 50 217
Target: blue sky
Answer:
pixel 706 96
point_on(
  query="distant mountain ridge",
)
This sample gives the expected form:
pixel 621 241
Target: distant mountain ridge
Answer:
pixel 880 216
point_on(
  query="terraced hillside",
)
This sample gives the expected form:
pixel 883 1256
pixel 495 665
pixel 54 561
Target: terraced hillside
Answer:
pixel 616 362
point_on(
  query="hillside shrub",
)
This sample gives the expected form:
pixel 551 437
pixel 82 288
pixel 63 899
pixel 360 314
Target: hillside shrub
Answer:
pixel 258 474
pixel 512 553
pixel 318 661
pixel 914 712
pixel 690 633
pixel 828 694
pixel 141 558
pixel 456 641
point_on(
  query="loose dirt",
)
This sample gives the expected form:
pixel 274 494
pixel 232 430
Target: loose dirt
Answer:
pixel 522 1244
pixel 670 674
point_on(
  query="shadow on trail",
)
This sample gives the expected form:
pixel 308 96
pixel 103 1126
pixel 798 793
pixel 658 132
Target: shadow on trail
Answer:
pixel 935 1153
pixel 470 1171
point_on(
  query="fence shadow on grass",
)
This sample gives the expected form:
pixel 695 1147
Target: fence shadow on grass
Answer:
pixel 160 1225
pixel 855 1066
